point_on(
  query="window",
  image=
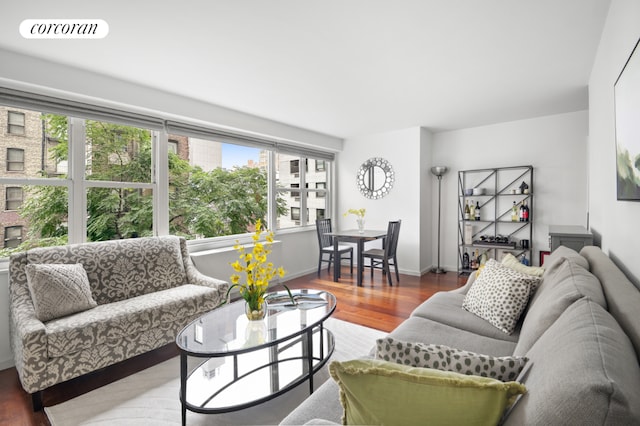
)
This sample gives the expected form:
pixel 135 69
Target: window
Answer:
pixel 13 198
pixel 173 146
pixel 294 167
pixel 320 166
pixel 295 214
pixel 105 180
pixel 320 214
pixel 321 185
pixel 12 236
pixel 16 123
pixel 15 159
pixel 303 192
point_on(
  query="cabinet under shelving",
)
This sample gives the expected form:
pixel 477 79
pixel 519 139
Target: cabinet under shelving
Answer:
pixel 497 191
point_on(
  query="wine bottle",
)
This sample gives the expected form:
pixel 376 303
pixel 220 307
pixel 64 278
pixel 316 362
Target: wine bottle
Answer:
pixel 467 213
pixel 477 215
pixel 465 260
pixel 514 212
pixel 472 211
pixel 521 212
pixel 526 212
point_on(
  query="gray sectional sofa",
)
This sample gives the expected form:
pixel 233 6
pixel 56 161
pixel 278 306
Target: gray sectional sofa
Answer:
pixel 138 293
pixel 580 332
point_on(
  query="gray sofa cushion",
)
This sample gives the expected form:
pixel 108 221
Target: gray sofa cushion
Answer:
pixel 122 269
pixel 560 287
pixel 422 330
pixel 623 298
pixel 583 371
pixel 563 252
pixel 129 317
pixel 323 404
pixel 446 308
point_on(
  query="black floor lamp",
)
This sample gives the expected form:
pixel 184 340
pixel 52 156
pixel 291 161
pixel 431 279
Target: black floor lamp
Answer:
pixel 439 171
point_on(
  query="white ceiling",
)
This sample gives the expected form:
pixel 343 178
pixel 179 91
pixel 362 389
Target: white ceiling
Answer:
pixel 340 67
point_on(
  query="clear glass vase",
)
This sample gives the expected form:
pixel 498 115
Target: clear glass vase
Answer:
pixel 360 221
pixel 255 313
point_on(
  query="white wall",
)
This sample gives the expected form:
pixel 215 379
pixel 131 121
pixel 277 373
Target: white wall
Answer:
pixel 408 151
pixel 22 72
pixel 554 145
pixel 614 222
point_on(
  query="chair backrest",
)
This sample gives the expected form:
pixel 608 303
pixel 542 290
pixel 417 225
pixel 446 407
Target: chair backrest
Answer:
pixel 393 233
pixel 322 227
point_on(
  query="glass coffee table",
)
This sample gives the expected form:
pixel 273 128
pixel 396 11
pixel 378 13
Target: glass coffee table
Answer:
pixel 249 362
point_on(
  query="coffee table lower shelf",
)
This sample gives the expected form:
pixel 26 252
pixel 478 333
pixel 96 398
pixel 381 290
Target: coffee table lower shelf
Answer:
pixel 234 382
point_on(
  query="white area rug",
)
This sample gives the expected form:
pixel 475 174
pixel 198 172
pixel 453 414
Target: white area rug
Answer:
pixel 150 397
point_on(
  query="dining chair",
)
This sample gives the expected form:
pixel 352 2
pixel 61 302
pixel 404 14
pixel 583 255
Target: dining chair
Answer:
pixel 384 257
pixel 323 226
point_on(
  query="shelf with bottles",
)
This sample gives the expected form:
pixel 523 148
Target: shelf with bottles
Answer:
pixel 504 195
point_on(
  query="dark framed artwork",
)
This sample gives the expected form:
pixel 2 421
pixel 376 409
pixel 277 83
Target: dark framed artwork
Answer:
pixel 627 117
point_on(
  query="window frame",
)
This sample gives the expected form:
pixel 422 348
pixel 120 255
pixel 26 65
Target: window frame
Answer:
pixel 11 125
pixel 13 200
pixel 78 113
pixel 7 238
pixel 9 162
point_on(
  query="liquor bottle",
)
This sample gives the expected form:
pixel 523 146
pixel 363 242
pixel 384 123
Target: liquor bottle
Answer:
pixel 477 215
pixel 514 212
pixel 521 217
pixel 526 212
pixel 472 211
pixel 465 260
pixel 467 213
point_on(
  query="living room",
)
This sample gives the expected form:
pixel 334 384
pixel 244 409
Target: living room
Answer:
pixel 571 145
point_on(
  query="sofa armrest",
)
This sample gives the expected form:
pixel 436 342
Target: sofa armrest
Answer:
pixel 28 339
pixel 198 278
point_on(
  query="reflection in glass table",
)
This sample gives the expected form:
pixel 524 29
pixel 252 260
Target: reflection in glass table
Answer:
pixel 250 362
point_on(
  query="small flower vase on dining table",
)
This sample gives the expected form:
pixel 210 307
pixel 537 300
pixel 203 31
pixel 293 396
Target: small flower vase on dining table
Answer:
pixel 257 312
pixel 360 221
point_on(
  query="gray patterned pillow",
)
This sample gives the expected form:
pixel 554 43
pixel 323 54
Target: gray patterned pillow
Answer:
pixel 500 295
pixel 58 290
pixel 444 358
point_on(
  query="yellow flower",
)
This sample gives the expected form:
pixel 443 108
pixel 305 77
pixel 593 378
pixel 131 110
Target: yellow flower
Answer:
pixel 255 268
pixel 357 212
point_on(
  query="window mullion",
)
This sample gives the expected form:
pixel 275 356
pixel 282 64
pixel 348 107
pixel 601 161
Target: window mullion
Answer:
pixel 160 178
pixel 77 190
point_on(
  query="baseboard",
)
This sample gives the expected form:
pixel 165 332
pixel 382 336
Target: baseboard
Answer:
pixel 7 364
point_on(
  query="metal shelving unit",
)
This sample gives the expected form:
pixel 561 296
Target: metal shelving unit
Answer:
pixel 495 205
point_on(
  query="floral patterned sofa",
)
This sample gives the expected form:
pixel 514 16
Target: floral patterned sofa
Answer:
pixel 138 293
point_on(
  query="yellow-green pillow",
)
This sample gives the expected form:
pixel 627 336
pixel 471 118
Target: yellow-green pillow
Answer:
pixel 510 261
pixel 385 393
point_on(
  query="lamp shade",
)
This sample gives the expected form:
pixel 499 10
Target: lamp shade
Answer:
pixel 439 170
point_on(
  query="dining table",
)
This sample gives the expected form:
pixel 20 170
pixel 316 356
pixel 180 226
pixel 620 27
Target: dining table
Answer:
pixel 358 237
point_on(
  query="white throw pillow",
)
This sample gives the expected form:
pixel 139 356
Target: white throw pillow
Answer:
pixel 499 295
pixel 513 263
pixel 58 290
pixel 444 358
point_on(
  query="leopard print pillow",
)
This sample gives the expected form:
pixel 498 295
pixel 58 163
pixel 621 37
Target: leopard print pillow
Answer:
pixel 444 358
pixel 500 295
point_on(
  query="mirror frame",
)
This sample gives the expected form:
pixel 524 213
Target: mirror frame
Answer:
pixel 389 178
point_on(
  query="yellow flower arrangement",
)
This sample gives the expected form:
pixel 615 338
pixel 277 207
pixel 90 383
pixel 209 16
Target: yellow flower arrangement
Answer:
pixel 358 212
pixel 258 271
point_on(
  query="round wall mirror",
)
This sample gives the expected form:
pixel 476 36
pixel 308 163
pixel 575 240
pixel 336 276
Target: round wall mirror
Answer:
pixel 375 178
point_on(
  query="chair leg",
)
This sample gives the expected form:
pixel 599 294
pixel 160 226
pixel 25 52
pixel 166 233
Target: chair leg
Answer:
pixel 351 262
pixel 388 272
pixel 395 265
pixel 319 263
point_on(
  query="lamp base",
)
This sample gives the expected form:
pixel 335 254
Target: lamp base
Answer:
pixel 438 270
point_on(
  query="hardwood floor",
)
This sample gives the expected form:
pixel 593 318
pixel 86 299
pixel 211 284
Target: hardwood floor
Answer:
pixel 374 305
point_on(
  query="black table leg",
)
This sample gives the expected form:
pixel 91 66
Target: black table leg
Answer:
pixel 183 387
pixel 336 260
pixel 360 261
